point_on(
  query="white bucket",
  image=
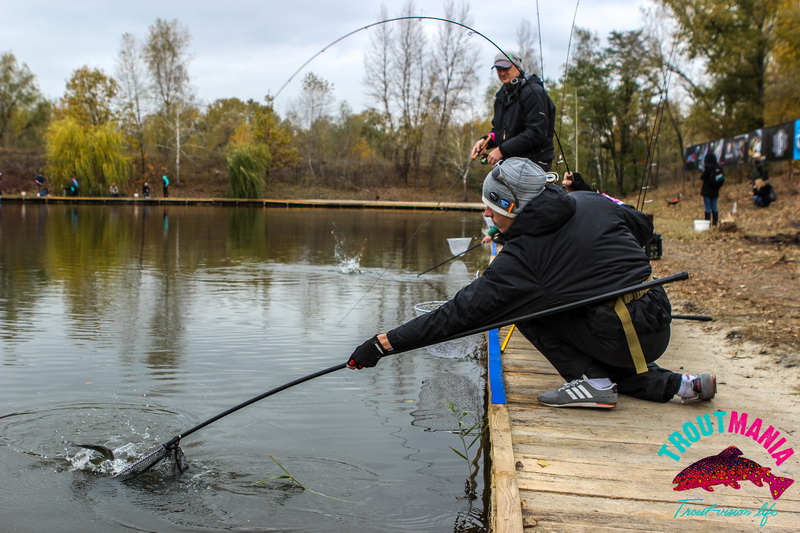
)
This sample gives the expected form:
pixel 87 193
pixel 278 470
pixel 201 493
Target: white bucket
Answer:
pixel 702 225
pixel 459 245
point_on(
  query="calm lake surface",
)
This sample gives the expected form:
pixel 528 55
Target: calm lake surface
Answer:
pixel 126 325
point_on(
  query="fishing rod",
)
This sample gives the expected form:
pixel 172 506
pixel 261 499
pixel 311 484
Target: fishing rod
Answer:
pixel 380 22
pixel 655 133
pixel 172 448
pixel 450 259
pixel 349 34
pixel 564 92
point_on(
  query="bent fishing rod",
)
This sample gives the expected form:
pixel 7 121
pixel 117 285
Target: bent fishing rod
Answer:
pixel 171 447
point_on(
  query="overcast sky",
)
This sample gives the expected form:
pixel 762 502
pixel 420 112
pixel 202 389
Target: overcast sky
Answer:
pixel 248 48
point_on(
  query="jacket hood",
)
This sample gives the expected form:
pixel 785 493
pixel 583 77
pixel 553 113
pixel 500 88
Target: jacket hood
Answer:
pixel 544 214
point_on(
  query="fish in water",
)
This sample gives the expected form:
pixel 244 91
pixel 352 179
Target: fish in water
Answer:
pixel 107 453
pixel 729 467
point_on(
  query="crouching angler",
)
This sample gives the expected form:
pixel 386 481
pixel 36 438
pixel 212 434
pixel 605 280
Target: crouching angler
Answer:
pixel 549 235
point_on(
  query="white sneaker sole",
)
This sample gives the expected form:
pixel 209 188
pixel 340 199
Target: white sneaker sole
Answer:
pixel 595 405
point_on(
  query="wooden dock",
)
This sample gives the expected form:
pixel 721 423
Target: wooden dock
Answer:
pixel 592 470
pixel 245 202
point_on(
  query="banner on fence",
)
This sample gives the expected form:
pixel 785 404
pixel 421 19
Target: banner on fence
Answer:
pixel 777 143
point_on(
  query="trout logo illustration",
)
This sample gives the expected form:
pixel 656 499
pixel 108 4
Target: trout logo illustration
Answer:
pixel 728 468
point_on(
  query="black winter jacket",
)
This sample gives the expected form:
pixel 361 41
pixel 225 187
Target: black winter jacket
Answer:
pixel 524 118
pixel 561 249
pixel 710 187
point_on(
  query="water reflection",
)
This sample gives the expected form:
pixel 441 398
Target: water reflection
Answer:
pixel 124 325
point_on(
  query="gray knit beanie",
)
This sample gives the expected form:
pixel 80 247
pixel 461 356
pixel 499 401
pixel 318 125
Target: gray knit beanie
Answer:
pixel 511 184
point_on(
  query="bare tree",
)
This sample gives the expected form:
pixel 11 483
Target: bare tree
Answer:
pixel 399 79
pixel 312 111
pixel 166 55
pixel 133 91
pixel 528 48
pixel 453 66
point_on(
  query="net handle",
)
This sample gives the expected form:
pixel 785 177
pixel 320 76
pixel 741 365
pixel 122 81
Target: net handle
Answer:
pixel 581 303
pixel 276 390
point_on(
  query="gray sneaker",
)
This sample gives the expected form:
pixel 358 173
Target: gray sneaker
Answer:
pixel 580 393
pixel 704 387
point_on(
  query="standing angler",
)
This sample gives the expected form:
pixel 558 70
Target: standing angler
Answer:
pixel 524 117
pixel 549 235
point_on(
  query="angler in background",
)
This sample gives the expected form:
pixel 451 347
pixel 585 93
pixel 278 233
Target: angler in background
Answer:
pixel 713 179
pixel 763 193
pixel 524 117
pixel 600 349
pixel 759 170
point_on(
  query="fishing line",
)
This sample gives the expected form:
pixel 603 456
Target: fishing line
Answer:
pixel 380 22
pixel 410 240
pixel 539 29
pixel 466 169
pixel 386 21
pixel 564 92
pixel 656 130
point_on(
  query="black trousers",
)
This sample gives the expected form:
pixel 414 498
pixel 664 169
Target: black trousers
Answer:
pixel 575 350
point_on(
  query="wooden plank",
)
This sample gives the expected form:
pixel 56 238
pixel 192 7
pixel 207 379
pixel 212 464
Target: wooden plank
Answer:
pixel 506 506
pixel 592 470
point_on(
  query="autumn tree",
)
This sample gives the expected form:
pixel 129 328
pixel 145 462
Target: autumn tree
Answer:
pixel 85 142
pixel 89 97
pixel 22 107
pixel 782 95
pixel 734 40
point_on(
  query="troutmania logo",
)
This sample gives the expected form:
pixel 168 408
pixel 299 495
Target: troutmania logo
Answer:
pixel 729 467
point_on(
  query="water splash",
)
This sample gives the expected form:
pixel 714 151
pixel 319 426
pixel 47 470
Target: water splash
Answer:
pixel 348 263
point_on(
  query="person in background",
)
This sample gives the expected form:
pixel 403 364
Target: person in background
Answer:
pixel 113 190
pixel 146 190
pixel 548 232
pixel 165 179
pixel 713 179
pixel 73 186
pixel 763 193
pixel 759 171
pixel 524 117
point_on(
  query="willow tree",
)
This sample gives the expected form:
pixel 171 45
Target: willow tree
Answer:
pixel 95 156
pixel 247 169
pixel 85 141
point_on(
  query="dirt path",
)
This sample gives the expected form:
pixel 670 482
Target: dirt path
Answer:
pixel 747 278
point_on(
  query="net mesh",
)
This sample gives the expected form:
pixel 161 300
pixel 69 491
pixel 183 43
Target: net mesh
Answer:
pixel 464 347
pixel 448 402
pixel 178 463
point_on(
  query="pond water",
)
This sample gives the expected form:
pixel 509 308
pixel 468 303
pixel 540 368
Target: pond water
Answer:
pixel 126 325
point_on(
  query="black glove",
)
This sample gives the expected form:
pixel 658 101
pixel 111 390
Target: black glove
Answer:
pixel 368 354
